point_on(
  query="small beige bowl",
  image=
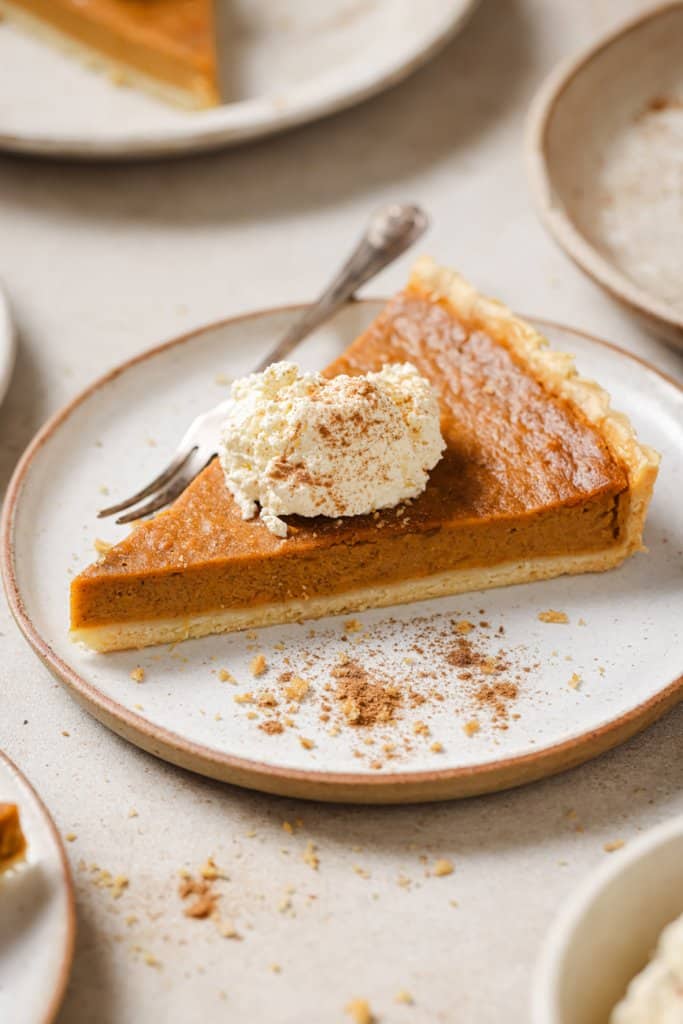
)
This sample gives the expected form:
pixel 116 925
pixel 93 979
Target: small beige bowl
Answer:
pixel 606 932
pixel 605 158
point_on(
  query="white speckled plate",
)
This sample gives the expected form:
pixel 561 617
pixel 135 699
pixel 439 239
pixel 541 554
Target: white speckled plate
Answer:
pixel 37 913
pixel 622 637
pixel 283 62
pixel 605 151
pixel 7 344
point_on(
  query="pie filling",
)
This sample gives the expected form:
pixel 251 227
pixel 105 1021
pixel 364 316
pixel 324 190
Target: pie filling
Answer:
pixel 527 479
pixel 384 549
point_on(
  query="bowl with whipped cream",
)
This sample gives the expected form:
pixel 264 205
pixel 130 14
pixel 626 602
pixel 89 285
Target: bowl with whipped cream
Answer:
pixel 614 954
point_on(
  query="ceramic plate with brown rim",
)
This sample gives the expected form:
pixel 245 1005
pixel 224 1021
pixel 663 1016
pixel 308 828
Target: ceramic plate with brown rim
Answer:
pixel 37 912
pixel 573 686
pixel 605 149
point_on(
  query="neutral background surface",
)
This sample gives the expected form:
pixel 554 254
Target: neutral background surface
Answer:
pixel 101 262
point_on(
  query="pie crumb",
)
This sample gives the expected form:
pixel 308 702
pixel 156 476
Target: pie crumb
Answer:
pixel 403 996
pixel 421 729
pixel 210 870
pixel 138 674
pixel 151 960
pixel 553 616
pixel 359 1010
pixel 203 906
pixel 310 857
pixel 101 546
pixel 258 665
pixel 228 930
pixel 575 681
pixel 443 867
pixel 225 676
pixel 436 747
pixel 464 626
pixel 306 743
pixel 615 844
pixel 70 837
pixel 471 727
pixel 352 626
pixel 296 689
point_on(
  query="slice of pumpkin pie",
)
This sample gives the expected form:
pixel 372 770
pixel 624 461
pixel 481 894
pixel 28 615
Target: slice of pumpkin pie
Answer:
pixel 167 47
pixel 533 475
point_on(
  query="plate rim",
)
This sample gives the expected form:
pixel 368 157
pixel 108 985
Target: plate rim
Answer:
pixel 553 214
pixel 70 944
pixel 263 116
pixel 358 787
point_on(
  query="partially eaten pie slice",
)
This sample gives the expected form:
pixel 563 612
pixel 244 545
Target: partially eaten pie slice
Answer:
pixel 12 839
pixel 539 477
pixel 166 47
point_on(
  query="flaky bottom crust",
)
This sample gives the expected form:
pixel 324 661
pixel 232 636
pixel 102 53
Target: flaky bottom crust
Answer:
pixel 121 636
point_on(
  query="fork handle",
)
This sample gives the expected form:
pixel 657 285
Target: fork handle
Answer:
pixel 390 231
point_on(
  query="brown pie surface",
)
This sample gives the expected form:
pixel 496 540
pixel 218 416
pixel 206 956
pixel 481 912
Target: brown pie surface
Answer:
pixel 540 477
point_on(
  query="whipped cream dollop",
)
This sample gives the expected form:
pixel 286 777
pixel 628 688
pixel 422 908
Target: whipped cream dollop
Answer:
pixel 298 443
pixel 655 996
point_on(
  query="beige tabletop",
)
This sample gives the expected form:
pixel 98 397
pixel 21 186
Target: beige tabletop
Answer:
pixel 101 262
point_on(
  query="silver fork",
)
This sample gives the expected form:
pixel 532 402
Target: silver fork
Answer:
pixel 389 233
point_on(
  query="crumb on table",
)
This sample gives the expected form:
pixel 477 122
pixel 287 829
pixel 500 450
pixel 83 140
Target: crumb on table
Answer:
pixel 443 867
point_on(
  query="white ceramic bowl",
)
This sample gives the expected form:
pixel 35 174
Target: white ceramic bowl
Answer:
pixel 605 933
pixel 604 142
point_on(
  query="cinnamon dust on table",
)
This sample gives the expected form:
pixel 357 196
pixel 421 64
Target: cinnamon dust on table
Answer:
pixel 364 699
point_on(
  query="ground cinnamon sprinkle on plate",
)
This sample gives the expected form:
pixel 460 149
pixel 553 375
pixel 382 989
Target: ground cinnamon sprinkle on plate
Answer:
pixel 553 616
pixel 364 700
